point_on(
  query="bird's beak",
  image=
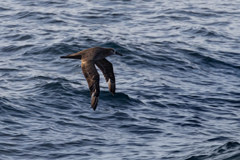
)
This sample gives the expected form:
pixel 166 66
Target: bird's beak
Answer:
pixel 118 53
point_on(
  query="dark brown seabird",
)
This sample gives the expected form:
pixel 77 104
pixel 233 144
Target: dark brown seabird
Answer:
pixel 89 58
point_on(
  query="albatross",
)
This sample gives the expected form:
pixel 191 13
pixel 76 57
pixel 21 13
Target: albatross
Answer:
pixel 91 57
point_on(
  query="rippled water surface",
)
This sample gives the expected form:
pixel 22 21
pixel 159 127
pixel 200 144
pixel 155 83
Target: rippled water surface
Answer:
pixel 178 90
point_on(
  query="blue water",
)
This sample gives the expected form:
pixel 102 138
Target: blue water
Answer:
pixel 178 90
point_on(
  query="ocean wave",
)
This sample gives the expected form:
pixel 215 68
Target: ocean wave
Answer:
pixel 177 82
pixel 229 150
pixel 14 48
pixel 194 13
pixel 203 31
pixel 53 50
pixel 203 59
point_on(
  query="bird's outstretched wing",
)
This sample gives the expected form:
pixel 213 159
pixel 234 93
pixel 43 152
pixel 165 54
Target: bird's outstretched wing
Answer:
pixel 90 72
pixel 106 67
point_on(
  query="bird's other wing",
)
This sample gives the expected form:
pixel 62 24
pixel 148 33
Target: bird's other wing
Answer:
pixel 90 72
pixel 106 67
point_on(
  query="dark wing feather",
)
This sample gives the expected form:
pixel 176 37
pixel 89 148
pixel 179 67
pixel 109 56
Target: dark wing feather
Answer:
pixel 106 67
pixel 90 72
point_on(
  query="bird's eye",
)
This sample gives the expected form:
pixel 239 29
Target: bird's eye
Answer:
pixel 113 51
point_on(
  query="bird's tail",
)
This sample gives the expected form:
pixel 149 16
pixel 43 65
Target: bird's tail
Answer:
pixel 73 56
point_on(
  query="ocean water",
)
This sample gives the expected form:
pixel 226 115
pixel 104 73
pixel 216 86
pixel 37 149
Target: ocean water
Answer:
pixel 178 81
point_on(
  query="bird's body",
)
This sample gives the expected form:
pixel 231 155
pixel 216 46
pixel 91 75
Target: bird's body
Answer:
pixel 91 57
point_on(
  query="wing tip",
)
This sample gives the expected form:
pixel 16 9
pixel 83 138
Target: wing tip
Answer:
pixel 111 86
pixel 94 102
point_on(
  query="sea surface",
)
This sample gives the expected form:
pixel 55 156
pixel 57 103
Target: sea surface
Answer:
pixel 178 81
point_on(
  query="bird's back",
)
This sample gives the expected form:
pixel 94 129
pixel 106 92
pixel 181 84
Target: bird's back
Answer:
pixel 93 54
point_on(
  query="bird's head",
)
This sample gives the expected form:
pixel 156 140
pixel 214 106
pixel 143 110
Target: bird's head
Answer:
pixel 112 51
